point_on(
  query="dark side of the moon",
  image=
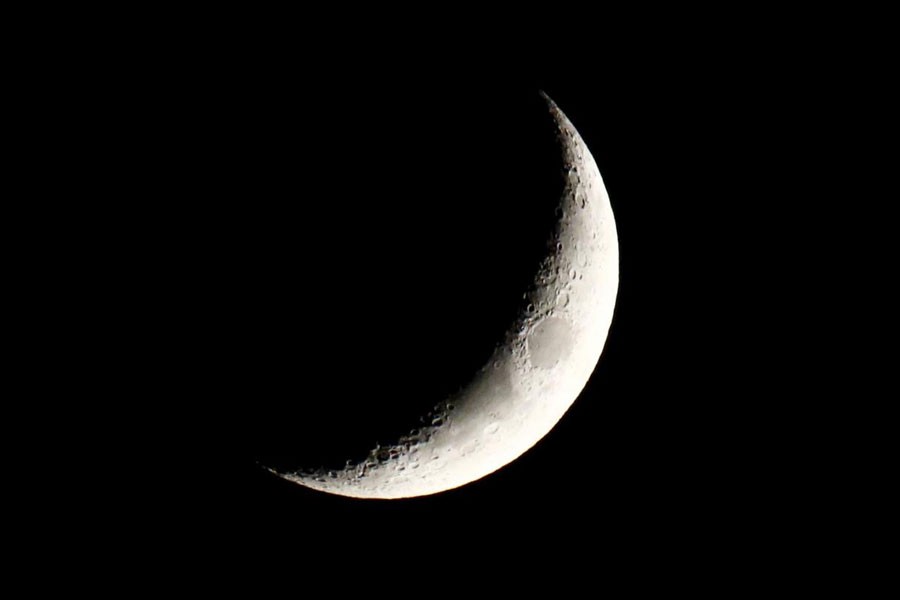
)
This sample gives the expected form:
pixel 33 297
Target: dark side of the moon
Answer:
pixel 362 256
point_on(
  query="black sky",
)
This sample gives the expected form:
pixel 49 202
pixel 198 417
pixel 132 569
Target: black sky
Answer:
pixel 367 240
pixel 350 242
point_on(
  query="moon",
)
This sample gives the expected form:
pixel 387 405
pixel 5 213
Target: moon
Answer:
pixel 535 373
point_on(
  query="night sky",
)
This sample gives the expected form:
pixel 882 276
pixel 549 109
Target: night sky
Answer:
pixel 351 243
pixel 369 241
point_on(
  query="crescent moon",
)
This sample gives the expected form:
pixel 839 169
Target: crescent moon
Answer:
pixel 534 375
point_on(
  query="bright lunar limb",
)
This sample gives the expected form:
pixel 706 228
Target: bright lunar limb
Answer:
pixel 532 378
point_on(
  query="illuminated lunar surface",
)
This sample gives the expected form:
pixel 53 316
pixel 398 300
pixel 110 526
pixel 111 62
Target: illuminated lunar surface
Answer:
pixel 532 378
